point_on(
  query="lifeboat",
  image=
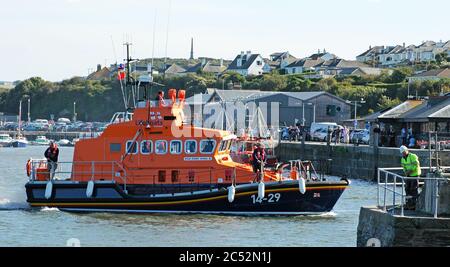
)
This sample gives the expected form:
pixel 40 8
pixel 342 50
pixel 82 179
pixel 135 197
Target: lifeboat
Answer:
pixel 150 161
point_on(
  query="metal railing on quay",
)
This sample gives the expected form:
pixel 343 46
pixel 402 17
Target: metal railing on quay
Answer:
pixel 388 181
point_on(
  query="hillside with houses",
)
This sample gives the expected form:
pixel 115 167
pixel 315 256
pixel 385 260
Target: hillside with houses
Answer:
pixel 383 75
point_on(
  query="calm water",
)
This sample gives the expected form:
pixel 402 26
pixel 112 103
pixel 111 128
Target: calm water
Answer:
pixel 21 226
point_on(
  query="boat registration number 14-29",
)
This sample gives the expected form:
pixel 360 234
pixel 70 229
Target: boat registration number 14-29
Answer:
pixel 271 198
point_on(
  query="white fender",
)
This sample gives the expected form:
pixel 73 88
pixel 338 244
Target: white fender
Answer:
pixel 231 193
pixel 49 190
pixel 90 189
pixel 261 190
pixel 302 185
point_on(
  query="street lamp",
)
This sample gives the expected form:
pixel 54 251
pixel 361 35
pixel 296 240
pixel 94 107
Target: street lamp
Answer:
pixel 29 117
pixel 362 101
pixel 74 112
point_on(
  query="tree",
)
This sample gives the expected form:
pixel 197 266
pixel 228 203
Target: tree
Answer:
pixel 273 82
pixel 400 74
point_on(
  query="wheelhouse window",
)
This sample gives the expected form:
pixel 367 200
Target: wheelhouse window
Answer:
pixel 190 147
pixel 224 146
pixel 146 147
pixel 161 147
pixel 132 147
pixel 207 146
pixel 176 147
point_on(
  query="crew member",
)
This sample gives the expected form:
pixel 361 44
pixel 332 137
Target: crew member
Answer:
pixel 51 154
pixel 411 167
pixel 160 98
pixel 258 159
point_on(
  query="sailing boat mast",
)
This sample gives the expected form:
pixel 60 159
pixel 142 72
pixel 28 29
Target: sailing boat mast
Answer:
pixel 20 117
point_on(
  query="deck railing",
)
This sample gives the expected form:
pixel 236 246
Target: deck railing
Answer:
pixel 67 171
pixel 389 180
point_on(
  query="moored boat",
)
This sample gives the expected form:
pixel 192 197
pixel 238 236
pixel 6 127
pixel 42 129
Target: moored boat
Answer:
pixel 5 140
pixel 64 142
pixel 19 142
pixel 41 141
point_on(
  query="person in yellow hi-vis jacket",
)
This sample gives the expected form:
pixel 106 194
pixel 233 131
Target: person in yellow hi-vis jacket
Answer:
pixel 411 168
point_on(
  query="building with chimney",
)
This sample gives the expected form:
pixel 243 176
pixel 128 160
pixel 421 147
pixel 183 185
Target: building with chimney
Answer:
pixel 248 64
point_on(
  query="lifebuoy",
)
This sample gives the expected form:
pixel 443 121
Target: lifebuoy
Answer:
pixel 28 168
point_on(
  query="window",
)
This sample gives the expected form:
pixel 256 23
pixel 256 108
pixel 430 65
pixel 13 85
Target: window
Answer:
pixel 331 110
pixel 146 147
pixel 176 147
pixel 224 145
pixel 161 147
pixel 190 147
pixel 162 176
pixel 115 148
pixel 132 147
pixel 207 146
pixel 175 175
pixel 191 175
pixel 259 63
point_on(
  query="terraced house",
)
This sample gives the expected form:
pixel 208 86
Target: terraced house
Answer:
pixel 391 56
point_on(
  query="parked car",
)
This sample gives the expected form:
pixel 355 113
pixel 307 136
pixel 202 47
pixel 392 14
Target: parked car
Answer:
pixel 360 136
pixel 319 131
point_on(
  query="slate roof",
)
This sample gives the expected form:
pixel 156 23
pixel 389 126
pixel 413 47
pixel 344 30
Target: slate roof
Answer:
pixel 305 63
pixel 435 108
pixel 248 62
pixel 249 95
pixel 213 68
pixel 342 63
pixel 401 109
pixel 440 73
pixel 195 100
pixel 102 74
pixel 174 69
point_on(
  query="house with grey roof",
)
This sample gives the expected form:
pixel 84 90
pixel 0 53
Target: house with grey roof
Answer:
pixel 248 64
pixel 303 65
pixel 432 75
pixel 391 56
pixel 280 60
pixel 323 55
pixel 174 70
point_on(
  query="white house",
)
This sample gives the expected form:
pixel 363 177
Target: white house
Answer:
pixel 303 65
pixel 394 55
pixel 249 64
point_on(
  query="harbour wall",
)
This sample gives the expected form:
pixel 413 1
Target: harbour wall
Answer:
pixel 361 162
pixel 397 231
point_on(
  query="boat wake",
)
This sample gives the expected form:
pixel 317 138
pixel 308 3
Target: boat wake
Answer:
pixel 7 205
pixel 326 215
pixel 46 209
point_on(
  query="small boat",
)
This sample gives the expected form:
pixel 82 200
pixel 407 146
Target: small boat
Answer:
pixel 41 141
pixel 19 142
pixel 64 142
pixel 5 140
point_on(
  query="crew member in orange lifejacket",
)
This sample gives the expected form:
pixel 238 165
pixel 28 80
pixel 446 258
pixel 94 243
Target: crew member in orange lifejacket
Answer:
pixel 51 154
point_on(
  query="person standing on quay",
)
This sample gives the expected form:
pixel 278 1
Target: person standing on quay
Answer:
pixel 411 168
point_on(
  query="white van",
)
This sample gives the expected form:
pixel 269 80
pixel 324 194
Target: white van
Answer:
pixel 64 120
pixel 319 130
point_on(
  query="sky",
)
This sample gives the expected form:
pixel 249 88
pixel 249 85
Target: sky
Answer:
pixel 59 39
